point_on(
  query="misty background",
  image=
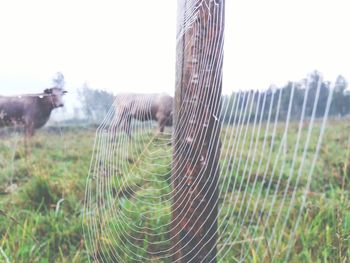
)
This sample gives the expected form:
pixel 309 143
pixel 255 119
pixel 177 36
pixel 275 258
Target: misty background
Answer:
pixel 107 47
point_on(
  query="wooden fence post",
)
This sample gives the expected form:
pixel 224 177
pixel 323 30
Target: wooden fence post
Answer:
pixel 197 129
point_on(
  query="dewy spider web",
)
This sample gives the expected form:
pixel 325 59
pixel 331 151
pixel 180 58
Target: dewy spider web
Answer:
pixel 270 144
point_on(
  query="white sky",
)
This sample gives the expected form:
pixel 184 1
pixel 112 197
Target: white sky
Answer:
pixel 130 45
pixel 273 41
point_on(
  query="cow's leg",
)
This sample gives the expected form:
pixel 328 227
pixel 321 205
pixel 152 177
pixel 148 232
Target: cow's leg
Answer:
pixel 116 124
pixel 162 120
pixel 161 128
pixel 25 141
pixel 127 126
pixel 119 121
pixel 161 125
pixel 31 131
pixel 28 133
pixel 121 116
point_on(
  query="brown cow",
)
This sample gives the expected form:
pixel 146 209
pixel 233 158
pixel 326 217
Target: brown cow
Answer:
pixel 143 107
pixel 30 111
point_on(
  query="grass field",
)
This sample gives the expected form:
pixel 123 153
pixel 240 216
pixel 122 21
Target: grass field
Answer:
pixel 42 197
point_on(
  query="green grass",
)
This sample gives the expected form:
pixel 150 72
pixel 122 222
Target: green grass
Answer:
pixel 41 217
pixel 32 227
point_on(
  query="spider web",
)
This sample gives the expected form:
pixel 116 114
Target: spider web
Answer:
pixel 270 147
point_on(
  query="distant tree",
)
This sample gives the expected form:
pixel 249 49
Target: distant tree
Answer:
pixel 95 103
pixel 58 80
pixel 340 102
pixel 228 107
pixel 275 102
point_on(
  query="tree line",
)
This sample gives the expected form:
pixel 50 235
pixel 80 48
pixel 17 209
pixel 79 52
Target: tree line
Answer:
pixel 293 99
pixel 308 97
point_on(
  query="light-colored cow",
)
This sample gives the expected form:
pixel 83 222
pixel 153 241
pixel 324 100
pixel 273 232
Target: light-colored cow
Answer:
pixel 143 107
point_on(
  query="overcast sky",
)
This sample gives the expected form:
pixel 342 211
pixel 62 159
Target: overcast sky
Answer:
pixel 130 45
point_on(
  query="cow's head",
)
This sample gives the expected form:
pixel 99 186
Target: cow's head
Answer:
pixel 55 95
